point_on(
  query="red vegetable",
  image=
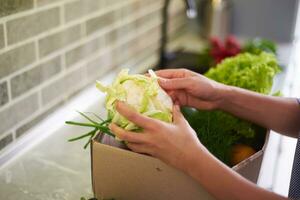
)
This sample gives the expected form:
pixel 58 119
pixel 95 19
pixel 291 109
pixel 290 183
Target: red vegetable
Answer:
pixel 229 48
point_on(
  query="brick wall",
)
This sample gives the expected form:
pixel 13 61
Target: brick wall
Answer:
pixel 50 49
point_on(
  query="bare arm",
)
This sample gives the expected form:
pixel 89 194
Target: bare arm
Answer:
pixel 177 145
pixel 223 183
pixel 276 113
pixel 191 89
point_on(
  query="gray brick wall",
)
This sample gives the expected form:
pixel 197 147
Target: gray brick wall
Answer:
pixel 8 7
pixel 1 36
pixel 51 49
pixel 29 26
pixel 16 59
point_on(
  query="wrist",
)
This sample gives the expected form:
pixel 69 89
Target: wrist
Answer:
pixel 191 161
pixel 223 93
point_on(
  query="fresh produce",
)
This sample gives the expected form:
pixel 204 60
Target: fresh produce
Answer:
pixel 257 46
pixel 240 152
pixel 141 92
pixel 97 125
pixel 249 71
pixel 217 50
pixel 218 130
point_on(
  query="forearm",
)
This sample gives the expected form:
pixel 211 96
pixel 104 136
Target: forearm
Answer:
pixel 223 183
pixel 276 113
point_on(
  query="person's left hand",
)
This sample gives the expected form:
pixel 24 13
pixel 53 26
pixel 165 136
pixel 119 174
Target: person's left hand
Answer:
pixel 174 143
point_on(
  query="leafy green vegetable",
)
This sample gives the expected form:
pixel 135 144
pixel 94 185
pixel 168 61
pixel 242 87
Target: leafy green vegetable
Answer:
pixel 249 71
pixel 140 92
pixel 218 130
pixel 257 46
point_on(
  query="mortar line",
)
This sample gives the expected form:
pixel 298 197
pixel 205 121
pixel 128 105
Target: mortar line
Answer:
pixel 60 27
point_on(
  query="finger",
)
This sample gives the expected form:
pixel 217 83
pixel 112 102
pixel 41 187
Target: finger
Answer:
pixel 184 99
pixel 173 73
pixel 174 84
pixel 139 148
pixel 177 115
pixel 138 119
pixel 174 97
pixel 172 94
pixel 128 136
pixel 200 104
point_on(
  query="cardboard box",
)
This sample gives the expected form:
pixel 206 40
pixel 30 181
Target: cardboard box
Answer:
pixel 122 174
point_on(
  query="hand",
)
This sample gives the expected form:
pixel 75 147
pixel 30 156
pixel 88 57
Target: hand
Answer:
pixel 191 89
pixel 174 143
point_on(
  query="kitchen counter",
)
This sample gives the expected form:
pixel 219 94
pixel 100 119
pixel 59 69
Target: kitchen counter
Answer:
pixel 51 167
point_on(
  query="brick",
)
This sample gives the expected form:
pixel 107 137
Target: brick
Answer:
pixel 77 54
pixel 123 51
pixel 34 77
pixel 17 58
pixel 101 22
pixel 3 93
pixel 126 29
pixel 4 142
pixel 1 36
pixel 46 2
pixel 71 82
pixel 59 40
pixel 8 7
pixel 29 125
pixel 112 37
pixel 99 66
pixel 17 112
pixel 152 34
pixel 148 3
pixel 129 48
pixel 141 56
pixel 151 18
pixel 29 26
pixel 112 2
pixel 81 8
pixel 128 9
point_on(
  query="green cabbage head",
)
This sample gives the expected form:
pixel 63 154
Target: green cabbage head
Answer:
pixel 142 93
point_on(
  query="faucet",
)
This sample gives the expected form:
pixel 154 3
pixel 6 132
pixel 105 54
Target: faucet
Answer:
pixel 191 12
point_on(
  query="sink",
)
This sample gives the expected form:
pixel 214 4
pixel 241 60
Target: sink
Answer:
pixel 183 59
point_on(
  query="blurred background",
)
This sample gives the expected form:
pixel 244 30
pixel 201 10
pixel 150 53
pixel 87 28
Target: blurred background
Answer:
pixel 52 51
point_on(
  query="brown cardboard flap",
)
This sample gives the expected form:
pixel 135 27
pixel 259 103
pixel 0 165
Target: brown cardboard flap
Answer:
pixel 123 174
pixel 250 167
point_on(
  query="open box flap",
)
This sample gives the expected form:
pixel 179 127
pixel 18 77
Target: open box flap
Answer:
pixel 250 167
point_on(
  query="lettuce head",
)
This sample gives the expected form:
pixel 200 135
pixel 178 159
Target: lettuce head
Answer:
pixel 142 93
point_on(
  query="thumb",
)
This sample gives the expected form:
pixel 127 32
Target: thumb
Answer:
pixel 177 115
pixel 174 84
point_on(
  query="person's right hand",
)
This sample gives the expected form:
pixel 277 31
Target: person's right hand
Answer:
pixel 190 89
